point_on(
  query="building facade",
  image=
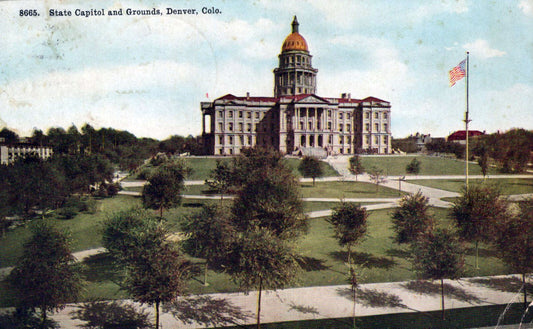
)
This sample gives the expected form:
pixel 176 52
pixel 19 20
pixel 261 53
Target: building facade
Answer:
pixel 295 119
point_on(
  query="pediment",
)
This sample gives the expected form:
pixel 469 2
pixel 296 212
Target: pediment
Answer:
pixel 311 99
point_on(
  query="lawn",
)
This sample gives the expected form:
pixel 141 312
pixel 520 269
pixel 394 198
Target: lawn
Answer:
pixel 202 166
pixel 323 261
pixel 342 190
pixel 507 186
pixel 429 165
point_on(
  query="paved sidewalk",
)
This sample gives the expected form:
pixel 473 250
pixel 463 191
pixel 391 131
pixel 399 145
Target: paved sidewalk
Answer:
pixel 336 302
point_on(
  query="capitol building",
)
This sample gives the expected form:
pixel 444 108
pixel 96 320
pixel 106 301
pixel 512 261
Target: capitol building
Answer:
pixel 295 120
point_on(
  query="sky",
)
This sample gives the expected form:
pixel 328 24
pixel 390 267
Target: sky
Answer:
pixel 148 74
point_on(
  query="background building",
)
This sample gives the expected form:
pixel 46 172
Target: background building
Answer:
pixel 296 120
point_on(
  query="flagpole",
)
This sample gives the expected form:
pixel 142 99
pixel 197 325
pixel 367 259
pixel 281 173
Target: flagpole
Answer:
pixel 467 119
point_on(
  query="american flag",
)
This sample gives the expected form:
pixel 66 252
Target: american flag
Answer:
pixel 457 73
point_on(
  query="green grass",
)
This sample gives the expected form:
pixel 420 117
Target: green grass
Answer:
pixel 202 167
pixel 347 190
pixel 395 165
pixel 326 168
pixel 507 186
pixel 378 258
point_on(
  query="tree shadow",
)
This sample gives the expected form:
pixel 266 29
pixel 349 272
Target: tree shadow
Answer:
pixel 372 298
pixel 192 205
pixel 102 267
pixel 430 288
pixel 304 309
pixel 24 318
pixel 364 259
pixel 310 264
pixel 507 284
pixel 207 311
pixel 101 314
pixel 400 253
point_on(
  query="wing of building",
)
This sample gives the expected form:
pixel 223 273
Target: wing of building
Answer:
pixel 295 119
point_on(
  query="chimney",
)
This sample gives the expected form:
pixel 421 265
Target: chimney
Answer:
pixel 247 95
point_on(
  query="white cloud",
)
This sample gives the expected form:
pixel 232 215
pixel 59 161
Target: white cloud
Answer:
pixel 526 6
pixel 480 48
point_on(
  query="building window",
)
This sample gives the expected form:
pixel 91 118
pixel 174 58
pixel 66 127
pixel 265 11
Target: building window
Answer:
pixel 348 127
pixel 249 140
pixel 341 127
pixel 240 114
pixel 248 127
pixel 221 139
pixel 257 115
pixel 230 128
pixel 240 126
pixel 340 115
pixel 230 114
pixel 310 125
pixel 367 126
pixel 367 115
pixel 341 140
pixel 249 115
pixel 385 115
pixel 367 140
pixel 348 115
pixel 376 140
pixel 348 140
pixel 230 140
pixel 220 114
pixel 241 139
pixel 386 139
pixel 376 115
pixel 302 125
pixel 376 127
pixel 385 127
pixel 221 151
pixel 329 125
pixel 220 126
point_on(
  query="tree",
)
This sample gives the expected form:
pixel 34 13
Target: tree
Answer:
pixel 310 167
pixel 262 260
pixel 483 163
pixel 438 255
pixel 476 212
pixel 221 178
pixel 209 233
pixel 164 187
pixel 413 167
pixel 270 199
pixel 39 185
pixel 46 275
pixel 355 167
pixel 349 222
pixel 377 176
pixel 10 137
pixel 155 272
pixel 411 218
pixel 267 217
pixel 514 241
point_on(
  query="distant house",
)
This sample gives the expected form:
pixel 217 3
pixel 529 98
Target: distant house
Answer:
pixel 10 152
pixel 460 136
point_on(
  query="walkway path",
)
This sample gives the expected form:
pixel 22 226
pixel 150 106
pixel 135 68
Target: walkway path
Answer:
pixel 312 303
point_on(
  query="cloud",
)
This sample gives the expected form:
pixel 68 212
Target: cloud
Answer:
pixel 526 6
pixel 481 49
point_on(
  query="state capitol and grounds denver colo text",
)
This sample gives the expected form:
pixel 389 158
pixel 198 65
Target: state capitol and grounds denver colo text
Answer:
pixel 53 12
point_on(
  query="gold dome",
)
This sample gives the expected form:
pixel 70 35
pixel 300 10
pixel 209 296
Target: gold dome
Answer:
pixel 294 41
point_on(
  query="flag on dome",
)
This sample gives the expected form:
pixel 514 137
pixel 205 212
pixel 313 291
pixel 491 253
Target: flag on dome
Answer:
pixel 457 73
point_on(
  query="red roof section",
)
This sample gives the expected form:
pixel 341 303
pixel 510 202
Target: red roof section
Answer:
pixel 460 135
pixel 297 98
